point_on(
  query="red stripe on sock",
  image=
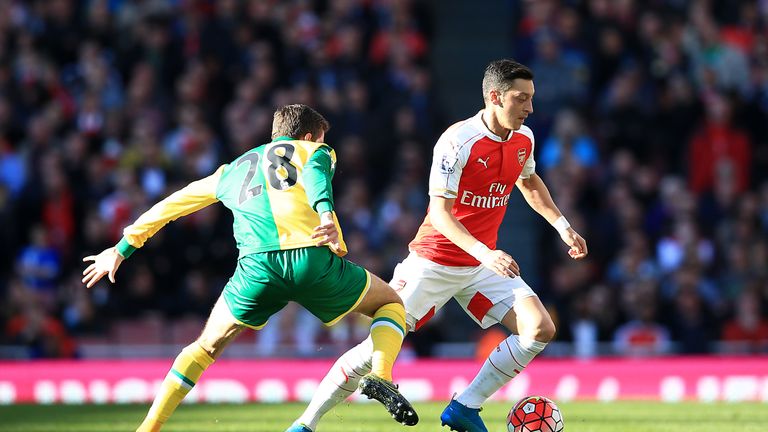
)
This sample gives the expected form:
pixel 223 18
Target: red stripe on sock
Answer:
pixel 344 388
pixel 346 377
pixel 513 356
pixel 497 368
pixel 351 369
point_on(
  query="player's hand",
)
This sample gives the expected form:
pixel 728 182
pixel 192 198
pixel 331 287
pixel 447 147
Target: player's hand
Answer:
pixel 577 243
pixel 327 232
pixel 105 263
pixel 501 263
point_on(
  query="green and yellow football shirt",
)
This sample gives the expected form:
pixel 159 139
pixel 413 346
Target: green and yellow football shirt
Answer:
pixel 275 192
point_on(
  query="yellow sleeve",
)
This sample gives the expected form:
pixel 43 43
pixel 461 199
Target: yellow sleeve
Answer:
pixel 193 197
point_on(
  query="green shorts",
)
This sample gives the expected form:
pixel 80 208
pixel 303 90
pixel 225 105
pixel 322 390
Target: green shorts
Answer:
pixel 325 284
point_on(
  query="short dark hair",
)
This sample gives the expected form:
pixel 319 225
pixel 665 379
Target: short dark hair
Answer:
pixel 297 120
pixel 499 75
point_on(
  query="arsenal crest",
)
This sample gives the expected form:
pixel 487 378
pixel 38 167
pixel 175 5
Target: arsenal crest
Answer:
pixel 521 156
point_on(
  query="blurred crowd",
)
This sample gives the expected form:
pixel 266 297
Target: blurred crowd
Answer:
pixel 650 122
pixel 108 106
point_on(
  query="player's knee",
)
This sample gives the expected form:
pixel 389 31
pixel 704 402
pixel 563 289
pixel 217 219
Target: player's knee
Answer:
pixel 546 331
pixel 542 331
pixel 394 298
pixel 387 293
pixel 391 300
pixel 212 342
pixel 208 345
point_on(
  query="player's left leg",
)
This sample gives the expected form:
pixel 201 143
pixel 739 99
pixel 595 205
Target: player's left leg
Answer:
pixel 532 328
pixel 190 364
pixel 488 301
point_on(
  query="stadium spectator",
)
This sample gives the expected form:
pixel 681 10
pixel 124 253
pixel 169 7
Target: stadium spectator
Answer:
pixel 39 265
pixel 689 322
pixel 42 334
pixel 716 63
pixel 568 143
pixel 747 331
pixel 642 335
pixel 719 152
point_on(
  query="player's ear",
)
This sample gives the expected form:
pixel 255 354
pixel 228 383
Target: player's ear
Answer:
pixel 307 136
pixel 496 98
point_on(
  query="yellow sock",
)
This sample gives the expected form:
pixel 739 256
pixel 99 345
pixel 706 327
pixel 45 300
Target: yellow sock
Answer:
pixel 186 370
pixel 387 332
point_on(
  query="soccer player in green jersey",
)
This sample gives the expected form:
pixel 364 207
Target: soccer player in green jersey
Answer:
pixel 290 250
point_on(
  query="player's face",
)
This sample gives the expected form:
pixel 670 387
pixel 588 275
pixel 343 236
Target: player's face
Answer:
pixel 516 104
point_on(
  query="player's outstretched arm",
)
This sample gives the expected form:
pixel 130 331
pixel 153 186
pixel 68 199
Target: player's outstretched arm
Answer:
pixel 193 197
pixel 105 263
pixel 537 195
pixel 189 199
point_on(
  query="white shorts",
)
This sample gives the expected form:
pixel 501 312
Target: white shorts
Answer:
pixel 426 286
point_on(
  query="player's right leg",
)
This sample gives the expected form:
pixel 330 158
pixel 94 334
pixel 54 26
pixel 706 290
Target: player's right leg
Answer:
pixel 532 328
pixel 190 364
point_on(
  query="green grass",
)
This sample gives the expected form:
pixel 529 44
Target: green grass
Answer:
pixel 579 417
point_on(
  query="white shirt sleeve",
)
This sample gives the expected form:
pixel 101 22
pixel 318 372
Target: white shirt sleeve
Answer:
pixel 448 161
pixel 530 164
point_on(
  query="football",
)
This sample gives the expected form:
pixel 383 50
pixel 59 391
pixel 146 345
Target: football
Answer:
pixel 535 414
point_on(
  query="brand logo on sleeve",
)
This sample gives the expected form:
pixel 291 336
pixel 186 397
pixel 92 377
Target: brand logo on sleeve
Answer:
pixel 447 164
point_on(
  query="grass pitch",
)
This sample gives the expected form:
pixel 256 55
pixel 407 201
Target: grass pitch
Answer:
pixel 369 417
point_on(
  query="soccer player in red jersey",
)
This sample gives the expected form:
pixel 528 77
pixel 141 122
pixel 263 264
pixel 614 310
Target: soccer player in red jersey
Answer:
pixel 476 164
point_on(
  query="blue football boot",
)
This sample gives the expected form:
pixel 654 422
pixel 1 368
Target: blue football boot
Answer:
pixel 298 427
pixel 461 418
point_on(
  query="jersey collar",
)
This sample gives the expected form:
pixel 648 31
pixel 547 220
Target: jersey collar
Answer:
pixel 283 138
pixel 480 124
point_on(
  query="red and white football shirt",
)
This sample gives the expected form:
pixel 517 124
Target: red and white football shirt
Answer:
pixel 479 169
